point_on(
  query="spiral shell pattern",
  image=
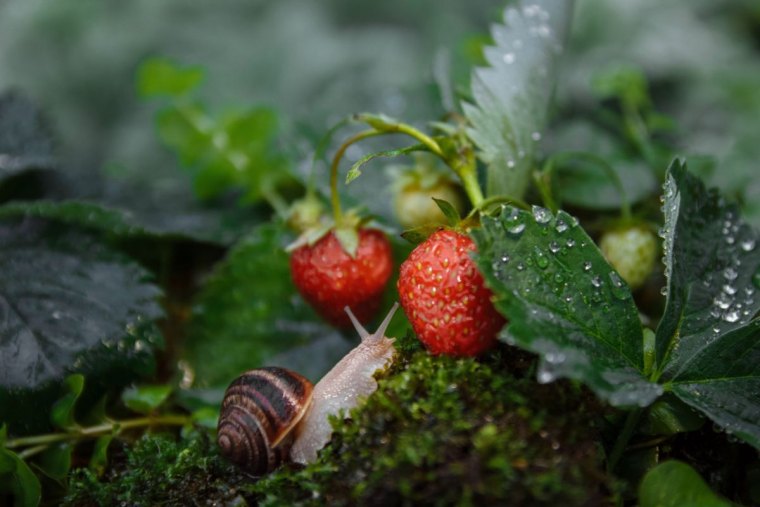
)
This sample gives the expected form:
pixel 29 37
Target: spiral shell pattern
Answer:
pixel 259 412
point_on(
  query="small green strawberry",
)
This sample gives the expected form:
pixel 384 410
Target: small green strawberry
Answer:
pixel 444 296
pixel 414 191
pixel 632 251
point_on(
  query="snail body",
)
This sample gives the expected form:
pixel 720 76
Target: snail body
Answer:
pixel 272 414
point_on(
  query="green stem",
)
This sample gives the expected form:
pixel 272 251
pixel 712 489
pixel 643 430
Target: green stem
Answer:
pixel 542 179
pixel 623 438
pixel 485 204
pixel 98 430
pixel 335 197
pixel 469 177
pixel 276 201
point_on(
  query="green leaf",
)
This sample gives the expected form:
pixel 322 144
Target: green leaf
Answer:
pixel 55 461
pixel 590 186
pixel 564 302
pixel 248 312
pixel 62 413
pixel 348 237
pixel 669 415
pixel 146 399
pixel 449 211
pixel 25 141
pixel 99 458
pixel 69 305
pixel 17 478
pixel 236 152
pixel 117 222
pixel 511 95
pixel 354 172
pixel 158 77
pixel 207 417
pixel 676 484
pixel 708 340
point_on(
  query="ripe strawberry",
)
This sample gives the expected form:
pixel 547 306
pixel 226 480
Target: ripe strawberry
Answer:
pixel 330 279
pixel 632 251
pixel 443 295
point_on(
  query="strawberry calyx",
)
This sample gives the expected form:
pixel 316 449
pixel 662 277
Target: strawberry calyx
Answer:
pixel 346 231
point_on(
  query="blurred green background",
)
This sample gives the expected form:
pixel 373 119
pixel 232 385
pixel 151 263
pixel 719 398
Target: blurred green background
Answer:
pixel 315 62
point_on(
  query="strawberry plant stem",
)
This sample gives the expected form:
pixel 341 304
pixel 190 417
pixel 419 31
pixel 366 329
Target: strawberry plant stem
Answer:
pixel 623 438
pixel 335 197
pixel 80 433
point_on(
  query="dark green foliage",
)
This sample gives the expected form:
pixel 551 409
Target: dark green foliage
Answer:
pixel 70 306
pixel 248 311
pixel 567 304
pixel 676 484
pixel 446 432
pixel 159 470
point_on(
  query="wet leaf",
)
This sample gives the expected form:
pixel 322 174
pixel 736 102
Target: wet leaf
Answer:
pixel 676 484
pixel 146 399
pixel 62 413
pixel 16 477
pixel 116 222
pixel 68 305
pixel 708 341
pixel 511 95
pixel 55 461
pixel 565 303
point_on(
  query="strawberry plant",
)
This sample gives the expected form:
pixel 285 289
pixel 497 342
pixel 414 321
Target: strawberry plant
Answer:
pixel 580 318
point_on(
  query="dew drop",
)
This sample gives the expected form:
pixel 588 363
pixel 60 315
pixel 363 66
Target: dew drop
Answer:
pixel 729 289
pixel 509 58
pixel 587 266
pixel 541 260
pixel 618 286
pixel 554 247
pixel 596 281
pixel 536 136
pixel 545 376
pixel 561 226
pixel 520 266
pixel 748 245
pixel 570 243
pixel 541 215
pixel 511 163
pixel 731 316
pixel 730 274
pixel 516 229
pixel 505 258
pixel 664 290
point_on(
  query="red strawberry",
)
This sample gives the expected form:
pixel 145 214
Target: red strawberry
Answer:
pixel 330 279
pixel 443 295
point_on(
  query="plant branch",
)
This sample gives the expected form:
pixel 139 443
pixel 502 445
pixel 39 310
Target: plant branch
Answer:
pixel 335 197
pixel 79 433
pixel 623 438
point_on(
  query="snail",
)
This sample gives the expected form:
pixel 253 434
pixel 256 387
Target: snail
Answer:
pixel 272 414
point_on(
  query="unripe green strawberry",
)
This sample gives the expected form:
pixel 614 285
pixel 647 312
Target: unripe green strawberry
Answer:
pixel 330 279
pixel 632 251
pixel 444 296
pixel 414 205
pixel 414 190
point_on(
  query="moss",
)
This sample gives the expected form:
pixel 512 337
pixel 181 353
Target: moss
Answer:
pixel 159 470
pixel 455 432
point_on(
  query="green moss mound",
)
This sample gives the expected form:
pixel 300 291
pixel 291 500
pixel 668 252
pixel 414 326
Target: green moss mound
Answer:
pixel 160 470
pixel 442 431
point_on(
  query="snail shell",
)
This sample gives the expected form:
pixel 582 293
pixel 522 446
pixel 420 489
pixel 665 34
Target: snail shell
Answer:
pixel 259 411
